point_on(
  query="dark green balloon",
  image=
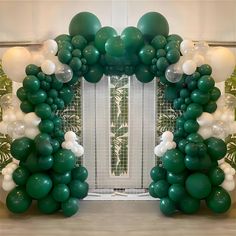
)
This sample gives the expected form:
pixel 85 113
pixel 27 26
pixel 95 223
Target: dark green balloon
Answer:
pixel 21 148
pixel 200 97
pixel 43 110
pixel 94 74
pixel 80 173
pixel 173 161
pixel 66 94
pixel 38 185
pixel 167 206
pixel 31 83
pixel 85 24
pixel 174 37
pixel 173 56
pixel 32 69
pixel 179 178
pixel 194 110
pixel 21 93
pixel 147 53
pixel 210 107
pixel 26 107
pixel 161 188
pixel 198 185
pixel 176 192
pixel 64 56
pixel 152 24
pixel 18 201
pixel 45 162
pixel 132 38
pixel 78 189
pixel 75 64
pixel 172 45
pixel 61 192
pixel 64 161
pixel 216 148
pixel 102 36
pixel 189 205
pixel 143 74
pixel 115 46
pixel 191 149
pixel 151 190
pixel 160 53
pixel 215 94
pixel 158 173
pixel 48 205
pixel 32 163
pixel 70 207
pixel 44 148
pixel 181 145
pixel 191 126
pixel 216 176
pixel 205 69
pixel 91 54
pixel 162 64
pixel 206 83
pixel 192 162
pixel 20 175
pixel 65 45
pixel 159 42
pixel 170 93
pixel 46 126
pixel 219 200
pixel 37 97
pixel 64 178
pixel 79 42
pixel 205 163
pixel 42 137
pixel 195 138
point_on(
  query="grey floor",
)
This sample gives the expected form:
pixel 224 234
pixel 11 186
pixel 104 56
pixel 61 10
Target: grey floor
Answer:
pixel 136 218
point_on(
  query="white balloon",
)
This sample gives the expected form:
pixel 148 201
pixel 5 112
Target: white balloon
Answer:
pixel 70 135
pixel 222 62
pixel 167 136
pixel 227 101
pixel 18 128
pixel 205 119
pixel 80 151
pixel 201 47
pixel 228 185
pixel 48 67
pixel 14 62
pixel 8 185
pixel 37 58
pixel 31 119
pixel 189 67
pixel 7 177
pixel 205 132
pixel 157 151
pixel 3 127
pixel 173 145
pixel 185 45
pixel 20 115
pixel 69 145
pixel 50 47
pixel 31 132
pixel 168 145
pixel 229 177
pixel 9 116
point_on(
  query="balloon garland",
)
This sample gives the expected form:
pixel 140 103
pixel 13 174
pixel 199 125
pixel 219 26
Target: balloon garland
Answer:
pixel 192 167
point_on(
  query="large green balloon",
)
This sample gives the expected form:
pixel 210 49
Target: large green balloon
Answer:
pixel 206 83
pixel 152 24
pixel 143 74
pixel 189 205
pixel 38 185
pixel 198 185
pixel 37 97
pixel 48 205
pixel 167 206
pixel 85 24
pixel 21 148
pixel 78 189
pixel 115 47
pixel 176 192
pixel 161 188
pixel 44 148
pixel 18 201
pixel 157 173
pixel 94 74
pixel 70 207
pixel 179 178
pixel 200 97
pixel 216 148
pixel 20 175
pixel 64 160
pixel 132 38
pixel 43 110
pixel 216 176
pixel 219 200
pixel 45 162
pixel 31 163
pixel 191 126
pixel 31 83
pixel 46 126
pixel 61 192
pixel 79 42
pixel 102 36
pixel 80 173
pixel 91 54
pixel 147 53
pixel 173 161
pixel 194 110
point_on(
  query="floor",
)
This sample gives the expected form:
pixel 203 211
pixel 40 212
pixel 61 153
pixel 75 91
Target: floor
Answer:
pixel 110 218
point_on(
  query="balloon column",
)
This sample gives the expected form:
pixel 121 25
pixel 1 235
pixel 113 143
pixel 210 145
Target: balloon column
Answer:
pixel 47 170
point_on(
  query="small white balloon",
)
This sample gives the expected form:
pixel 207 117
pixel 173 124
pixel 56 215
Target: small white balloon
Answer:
pixel 69 145
pixel 48 67
pixel 70 135
pixel 205 132
pixel 9 116
pixel 31 119
pixel 157 151
pixel 168 145
pixel 3 127
pixel 20 115
pixel 167 136
pixel 199 59
pixel 50 47
pixel 229 177
pixel 80 151
pixel 189 67
pixel 185 45
pixel 18 128
pixel 6 101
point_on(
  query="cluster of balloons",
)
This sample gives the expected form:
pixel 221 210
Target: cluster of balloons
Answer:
pixel 8 183
pixel 229 171
pixel 71 143
pixel 166 143
pixel 16 123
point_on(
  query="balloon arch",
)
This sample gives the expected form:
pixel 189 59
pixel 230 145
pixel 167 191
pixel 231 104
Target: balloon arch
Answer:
pixel 192 165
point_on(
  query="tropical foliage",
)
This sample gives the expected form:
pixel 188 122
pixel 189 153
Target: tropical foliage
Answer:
pixel 5 141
